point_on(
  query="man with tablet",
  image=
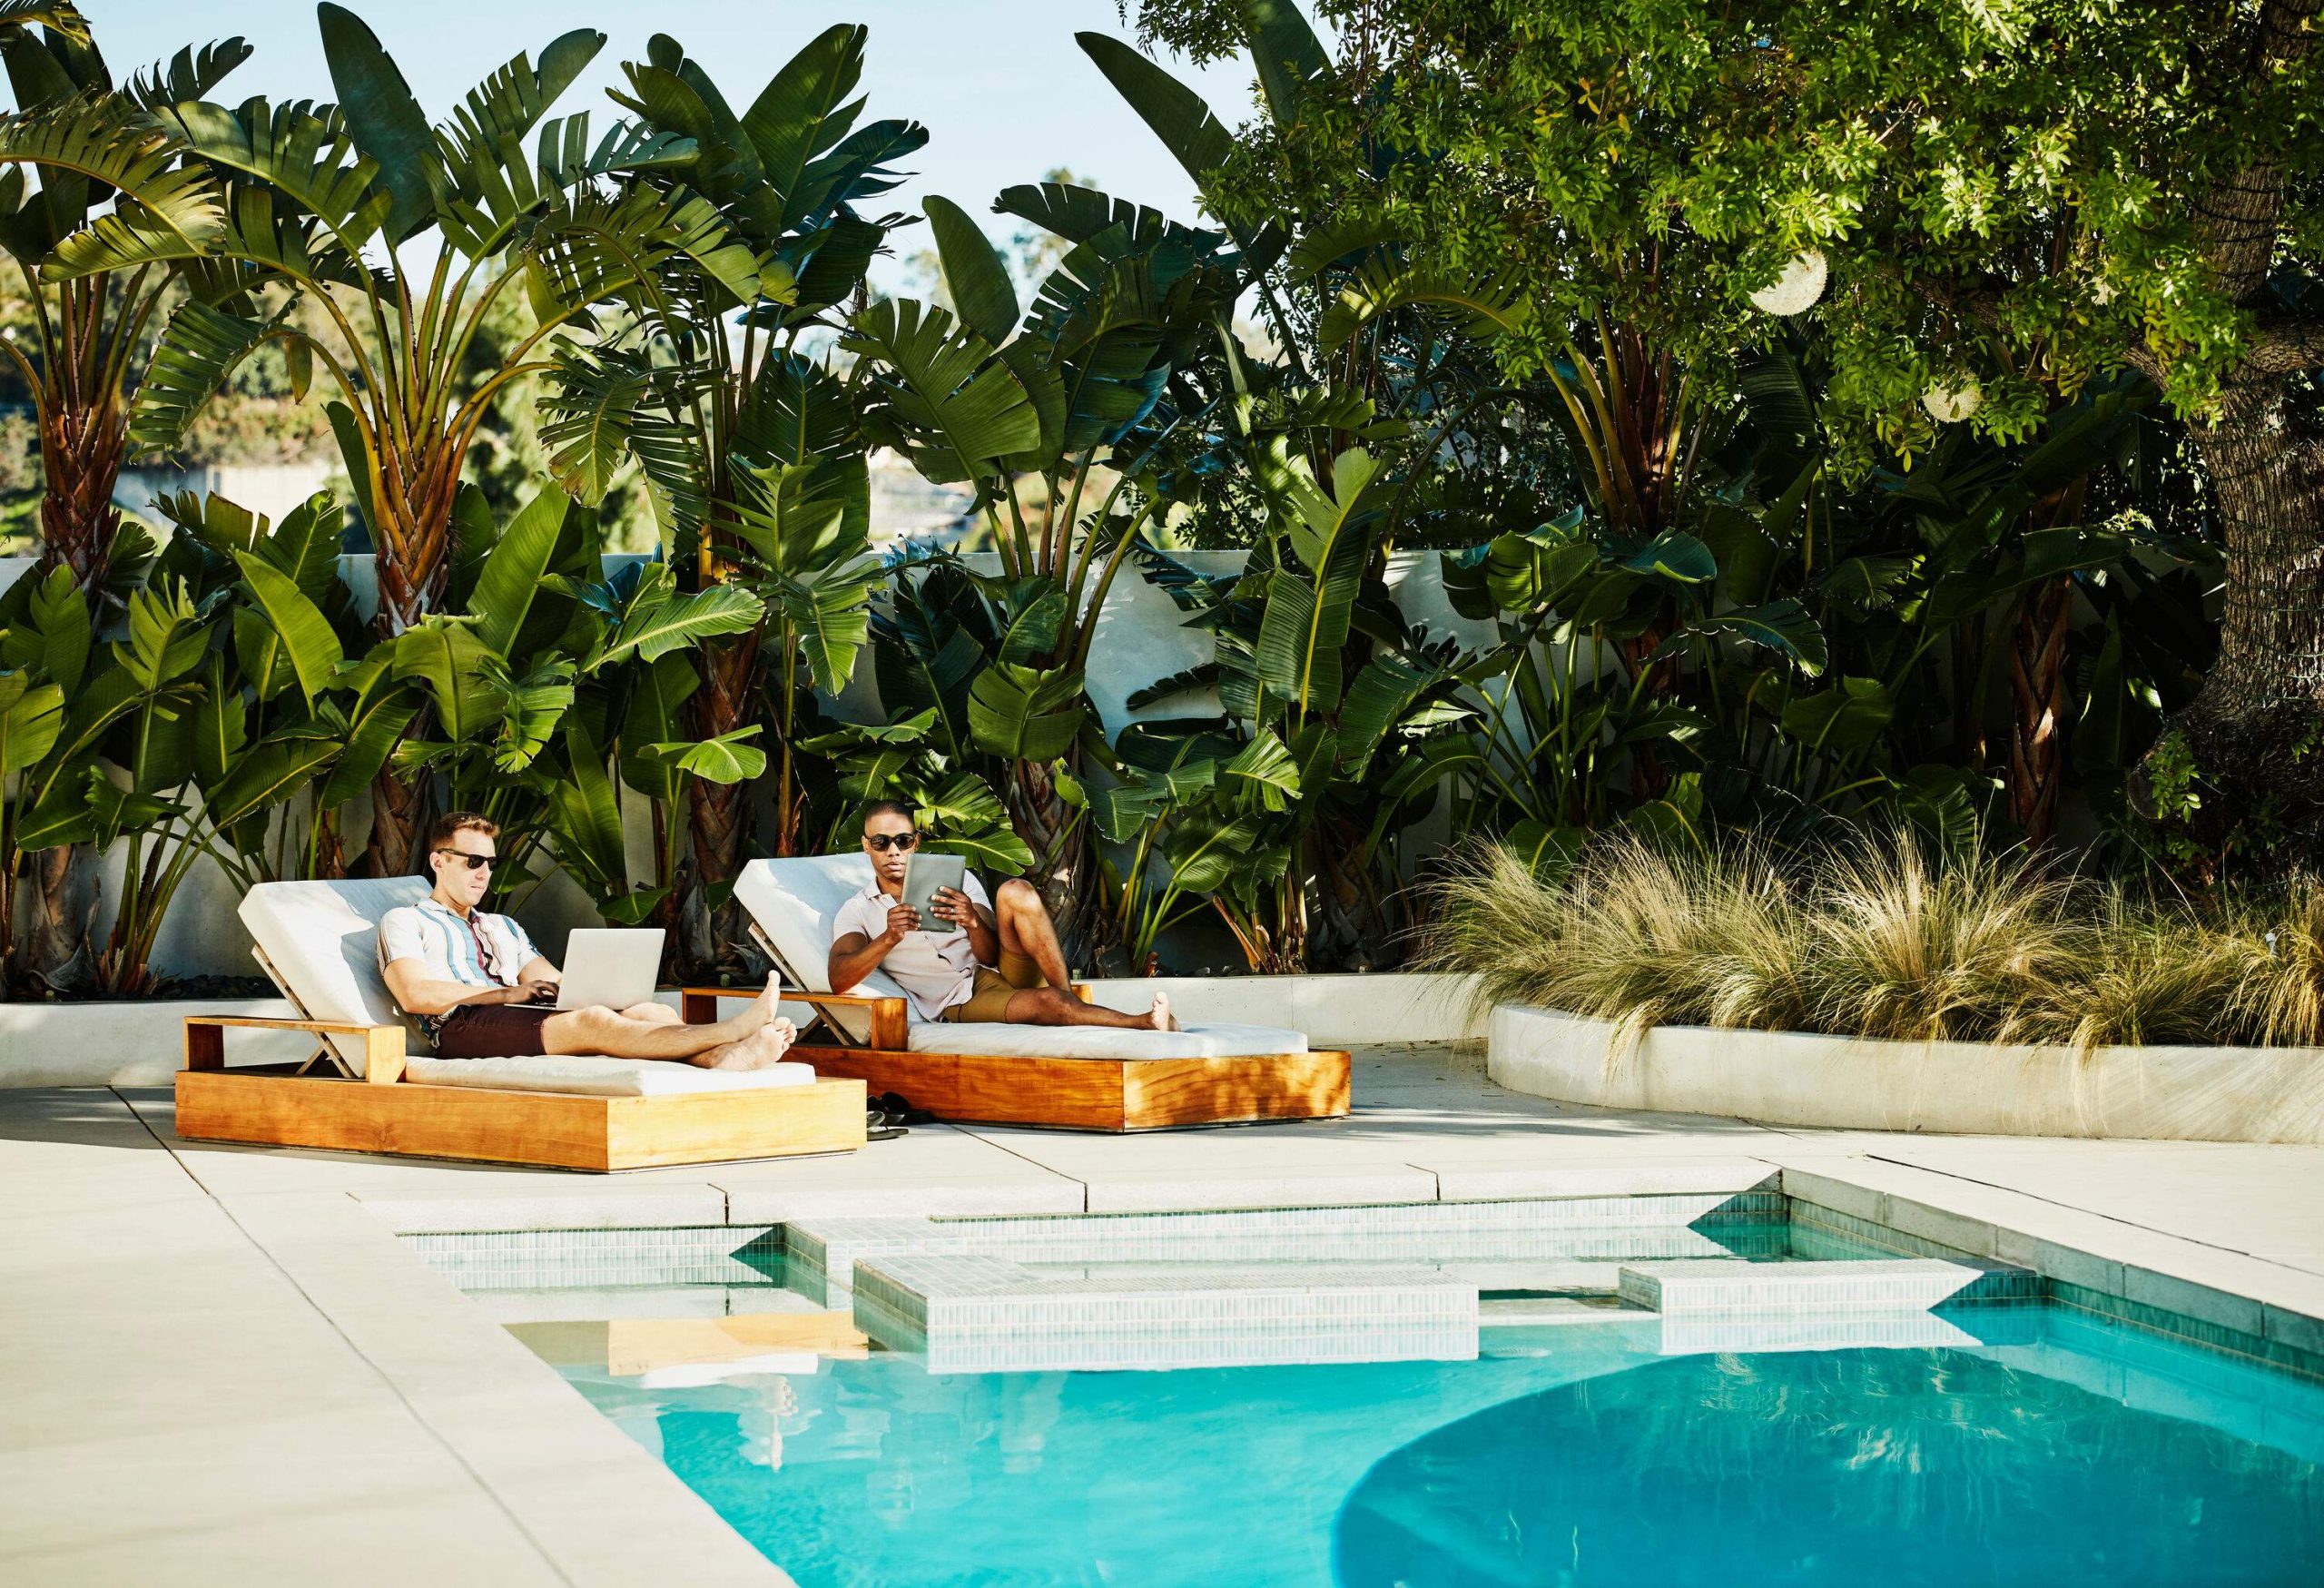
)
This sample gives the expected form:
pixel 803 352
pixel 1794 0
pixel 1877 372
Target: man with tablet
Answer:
pixel 480 989
pixel 958 954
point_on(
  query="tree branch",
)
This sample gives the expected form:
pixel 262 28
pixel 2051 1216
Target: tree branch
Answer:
pixel 2283 347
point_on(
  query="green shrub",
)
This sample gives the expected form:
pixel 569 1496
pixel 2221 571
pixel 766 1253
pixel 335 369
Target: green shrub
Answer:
pixel 1880 935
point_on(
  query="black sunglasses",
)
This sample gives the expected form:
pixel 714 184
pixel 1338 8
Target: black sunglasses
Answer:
pixel 475 862
pixel 885 841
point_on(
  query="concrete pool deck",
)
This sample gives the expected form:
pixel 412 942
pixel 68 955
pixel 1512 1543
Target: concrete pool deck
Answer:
pixel 221 1367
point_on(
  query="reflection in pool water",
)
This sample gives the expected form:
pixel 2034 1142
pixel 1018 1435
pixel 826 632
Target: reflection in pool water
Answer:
pixel 1927 1466
pixel 2064 1451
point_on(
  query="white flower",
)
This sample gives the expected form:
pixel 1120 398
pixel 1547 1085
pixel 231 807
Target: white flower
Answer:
pixel 1949 404
pixel 1797 290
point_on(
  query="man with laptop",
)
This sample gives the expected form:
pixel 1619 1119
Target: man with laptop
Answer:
pixel 480 989
pixel 958 954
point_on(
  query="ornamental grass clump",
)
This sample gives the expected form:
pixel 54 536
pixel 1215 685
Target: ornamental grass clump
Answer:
pixel 1884 936
pixel 1915 946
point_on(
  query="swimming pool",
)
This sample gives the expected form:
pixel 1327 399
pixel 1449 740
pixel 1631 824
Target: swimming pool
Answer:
pixel 1999 1443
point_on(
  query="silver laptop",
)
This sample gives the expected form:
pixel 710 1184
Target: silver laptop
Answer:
pixel 617 966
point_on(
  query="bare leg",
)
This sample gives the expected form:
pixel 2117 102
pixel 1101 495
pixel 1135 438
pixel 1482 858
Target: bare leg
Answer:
pixel 657 1014
pixel 617 1034
pixel 1045 1006
pixel 760 1049
pixel 1026 929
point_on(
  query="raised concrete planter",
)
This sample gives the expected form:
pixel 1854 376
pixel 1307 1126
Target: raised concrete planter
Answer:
pixel 128 1044
pixel 1970 1089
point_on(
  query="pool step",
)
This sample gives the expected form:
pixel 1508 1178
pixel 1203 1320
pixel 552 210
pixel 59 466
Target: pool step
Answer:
pixel 1601 1229
pixel 973 1314
pixel 1892 1284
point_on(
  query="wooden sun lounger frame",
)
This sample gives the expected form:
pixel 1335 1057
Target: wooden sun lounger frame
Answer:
pixel 1072 1094
pixel 382 1112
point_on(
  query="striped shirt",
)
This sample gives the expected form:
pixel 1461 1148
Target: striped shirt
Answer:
pixel 483 950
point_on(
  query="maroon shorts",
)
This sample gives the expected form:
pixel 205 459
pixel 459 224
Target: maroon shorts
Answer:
pixel 492 1030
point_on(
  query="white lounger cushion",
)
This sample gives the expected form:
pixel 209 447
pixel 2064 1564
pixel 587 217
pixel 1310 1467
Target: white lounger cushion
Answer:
pixel 601 1078
pixel 322 938
pixel 795 901
pixel 1202 1041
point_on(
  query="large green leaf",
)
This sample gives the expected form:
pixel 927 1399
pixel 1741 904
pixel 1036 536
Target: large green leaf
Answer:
pixel 444 654
pixel 372 738
pixel 585 815
pixel 1847 716
pixel 108 140
pixel 1175 112
pixel 728 758
pixel 958 408
pixel 1308 615
pixel 59 618
pixel 299 626
pixel 656 620
pixel 1025 714
pixel 1377 704
pixel 974 275
pixel 513 570
pixel 786 124
pixel 829 614
pixel 1483 303
pixel 1782 625
pixel 187 75
pixel 1288 56
pixel 200 349
pixel 383 117
pixel 268 775
pixel 30 724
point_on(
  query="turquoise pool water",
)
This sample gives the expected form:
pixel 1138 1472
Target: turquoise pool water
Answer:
pixel 2043 1447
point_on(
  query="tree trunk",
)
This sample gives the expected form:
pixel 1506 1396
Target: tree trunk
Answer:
pixel 1064 867
pixel 718 814
pixel 395 821
pixel 2256 728
pixel 81 456
pixel 56 950
pixel 2038 684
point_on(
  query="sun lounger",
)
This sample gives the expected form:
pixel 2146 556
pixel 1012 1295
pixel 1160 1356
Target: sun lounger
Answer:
pixel 389 1093
pixel 1086 1078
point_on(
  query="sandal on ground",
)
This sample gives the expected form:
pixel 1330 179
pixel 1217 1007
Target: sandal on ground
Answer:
pixel 881 1125
pixel 899 1108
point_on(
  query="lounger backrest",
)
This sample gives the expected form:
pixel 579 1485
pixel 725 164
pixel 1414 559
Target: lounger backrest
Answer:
pixel 795 901
pixel 323 939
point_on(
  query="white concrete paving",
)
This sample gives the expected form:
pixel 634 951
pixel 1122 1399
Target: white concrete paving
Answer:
pixel 221 1367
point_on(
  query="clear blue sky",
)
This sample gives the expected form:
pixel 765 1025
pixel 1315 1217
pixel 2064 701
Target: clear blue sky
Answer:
pixel 1004 91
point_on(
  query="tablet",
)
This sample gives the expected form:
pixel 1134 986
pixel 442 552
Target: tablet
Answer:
pixel 924 874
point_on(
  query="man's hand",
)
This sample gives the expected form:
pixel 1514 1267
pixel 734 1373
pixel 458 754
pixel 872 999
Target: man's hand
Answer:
pixel 528 992
pixel 901 919
pixel 952 905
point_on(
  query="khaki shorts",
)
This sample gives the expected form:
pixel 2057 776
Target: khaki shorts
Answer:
pixel 988 1001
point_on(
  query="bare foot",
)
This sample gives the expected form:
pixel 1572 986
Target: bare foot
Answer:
pixel 1161 1018
pixel 758 1051
pixel 760 1012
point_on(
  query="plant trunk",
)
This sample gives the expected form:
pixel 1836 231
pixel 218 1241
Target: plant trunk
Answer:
pixel 394 821
pixel 718 815
pixel 1064 868
pixel 2037 682
pixel 2256 728
pixel 56 950
pixel 80 457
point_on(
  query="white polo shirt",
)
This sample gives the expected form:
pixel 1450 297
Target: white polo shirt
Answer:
pixel 483 950
pixel 936 969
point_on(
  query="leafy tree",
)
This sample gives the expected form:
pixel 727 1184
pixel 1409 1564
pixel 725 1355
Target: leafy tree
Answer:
pixel 324 202
pixel 751 452
pixel 2011 201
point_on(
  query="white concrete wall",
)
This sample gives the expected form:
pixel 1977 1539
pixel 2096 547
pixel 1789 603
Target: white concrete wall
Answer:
pixel 1972 1089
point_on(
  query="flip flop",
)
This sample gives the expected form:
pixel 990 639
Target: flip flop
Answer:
pixel 899 1106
